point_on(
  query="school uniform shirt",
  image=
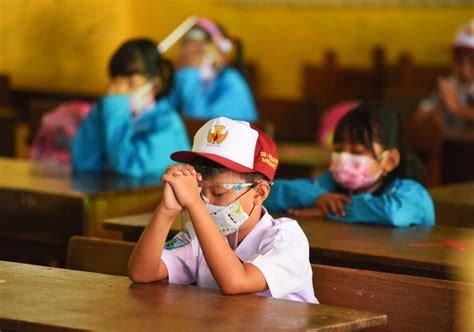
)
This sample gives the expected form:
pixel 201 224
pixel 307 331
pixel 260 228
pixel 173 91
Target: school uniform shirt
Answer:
pixel 402 203
pixel 225 95
pixel 277 247
pixel 112 139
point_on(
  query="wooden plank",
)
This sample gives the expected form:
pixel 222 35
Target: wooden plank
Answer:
pixel 411 303
pixel 422 251
pixel 92 301
pixel 99 255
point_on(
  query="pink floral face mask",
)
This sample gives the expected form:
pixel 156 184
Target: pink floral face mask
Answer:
pixel 351 171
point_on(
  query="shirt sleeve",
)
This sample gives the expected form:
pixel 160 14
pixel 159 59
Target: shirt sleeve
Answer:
pixel 86 147
pixel 405 203
pixel 227 95
pixel 298 193
pixel 181 264
pixel 284 262
pixel 144 147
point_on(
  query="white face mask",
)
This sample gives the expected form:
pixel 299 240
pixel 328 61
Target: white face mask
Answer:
pixel 142 100
pixel 228 218
pixel 208 71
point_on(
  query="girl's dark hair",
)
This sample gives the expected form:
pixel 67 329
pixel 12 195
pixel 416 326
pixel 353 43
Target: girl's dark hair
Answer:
pixel 369 123
pixel 141 56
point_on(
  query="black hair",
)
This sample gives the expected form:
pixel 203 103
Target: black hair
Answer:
pixel 210 169
pixel 141 56
pixel 369 123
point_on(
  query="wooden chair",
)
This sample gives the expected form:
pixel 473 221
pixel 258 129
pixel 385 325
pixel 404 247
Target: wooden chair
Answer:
pixel 411 303
pixel 332 83
pixel 289 119
pixel 4 90
pixel 99 255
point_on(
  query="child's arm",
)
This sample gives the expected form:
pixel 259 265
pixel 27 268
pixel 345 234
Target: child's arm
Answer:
pixel 137 150
pixel 406 203
pixel 197 102
pixel 145 263
pixel 232 276
pixel 86 150
pixel 299 193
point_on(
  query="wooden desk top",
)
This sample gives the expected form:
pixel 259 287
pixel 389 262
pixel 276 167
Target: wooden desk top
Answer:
pixel 304 154
pixel 425 251
pixel 29 176
pixel 34 298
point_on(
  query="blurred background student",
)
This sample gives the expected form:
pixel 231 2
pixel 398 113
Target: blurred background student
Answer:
pixel 450 109
pixel 205 85
pixel 131 131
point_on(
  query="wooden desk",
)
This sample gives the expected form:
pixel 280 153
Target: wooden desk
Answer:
pixel 41 207
pixel 454 204
pixel 419 251
pixel 40 298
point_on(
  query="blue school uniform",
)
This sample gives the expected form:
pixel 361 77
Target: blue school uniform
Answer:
pixel 402 203
pixel 110 138
pixel 226 95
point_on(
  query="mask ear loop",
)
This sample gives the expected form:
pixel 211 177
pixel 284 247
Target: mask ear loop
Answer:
pixel 380 157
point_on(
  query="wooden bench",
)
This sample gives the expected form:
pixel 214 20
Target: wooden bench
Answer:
pixel 99 255
pixel 411 303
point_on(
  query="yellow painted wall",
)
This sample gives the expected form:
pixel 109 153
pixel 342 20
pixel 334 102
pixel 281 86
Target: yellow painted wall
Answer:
pixel 60 45
pixel 64 45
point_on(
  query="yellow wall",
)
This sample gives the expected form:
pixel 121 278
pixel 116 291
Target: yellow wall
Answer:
pixel 64 45
pixel 60 45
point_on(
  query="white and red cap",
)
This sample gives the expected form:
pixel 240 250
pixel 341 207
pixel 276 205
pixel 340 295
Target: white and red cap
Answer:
pixel 236 145
pixel 465 38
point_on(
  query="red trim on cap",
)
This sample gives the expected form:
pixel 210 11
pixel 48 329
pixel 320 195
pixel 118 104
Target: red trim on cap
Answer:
pixel 189 156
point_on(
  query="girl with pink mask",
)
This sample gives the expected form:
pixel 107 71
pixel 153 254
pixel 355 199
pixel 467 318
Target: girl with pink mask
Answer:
pixel 373 177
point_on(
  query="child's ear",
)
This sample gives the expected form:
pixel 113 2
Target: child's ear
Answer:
pixel 262 190
pixel 391 161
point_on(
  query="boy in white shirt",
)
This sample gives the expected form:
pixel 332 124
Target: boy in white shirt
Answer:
pixel 231 242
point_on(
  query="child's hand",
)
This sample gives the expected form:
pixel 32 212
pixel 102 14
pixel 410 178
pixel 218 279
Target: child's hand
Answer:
pixel 169 204
pixel 309 212
pixel 183 179
pixel 333 203
pixel 118 86
pixel 450 95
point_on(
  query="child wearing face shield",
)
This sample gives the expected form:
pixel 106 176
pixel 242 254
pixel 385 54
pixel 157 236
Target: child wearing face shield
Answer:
pixel 231 243
pixel 205 85
pixel 130 131
pixel 373 177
